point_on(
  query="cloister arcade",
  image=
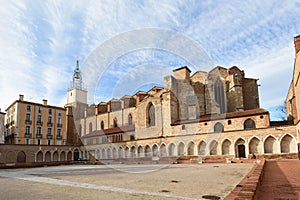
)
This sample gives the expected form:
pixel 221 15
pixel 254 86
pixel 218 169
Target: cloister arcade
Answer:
pixel 240 148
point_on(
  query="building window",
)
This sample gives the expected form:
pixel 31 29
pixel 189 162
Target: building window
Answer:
pixel 27 130
pixel 28 108
pixel 249 124
pixel 129 119
pixel 115 122
pixel 151 115
pixel 39 142
pixel 49 142
pixel 27 141
pixel 49 132
pixel 59 132
pixel 49 121
pixel 28 118
pixel 50 111
pixel 59 113
pixel 90 127
pixel 183 127
pixel 219 95
pixel 39 131
pixel 80 130
pixel 59 121
pixel 229 122
pixel 39 120
pixel 102 124
pixel 218 128
pixel 40 110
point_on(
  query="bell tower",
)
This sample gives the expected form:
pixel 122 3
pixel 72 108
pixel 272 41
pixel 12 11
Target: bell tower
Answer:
pixel 76 93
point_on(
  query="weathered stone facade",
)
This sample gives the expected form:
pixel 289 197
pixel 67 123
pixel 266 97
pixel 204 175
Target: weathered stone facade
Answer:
pixel 204 114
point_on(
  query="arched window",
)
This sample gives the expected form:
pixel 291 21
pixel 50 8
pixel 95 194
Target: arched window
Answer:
pixel 219 95
pixel 90 127
pixel 249 124
pixel 129 119
pixel 218 128
pixel 115 122
pixel 151 115
pixel 102 124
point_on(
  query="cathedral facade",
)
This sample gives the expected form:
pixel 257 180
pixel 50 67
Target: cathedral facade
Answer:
pixel 204 114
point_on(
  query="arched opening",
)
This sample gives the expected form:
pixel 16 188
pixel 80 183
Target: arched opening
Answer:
pixel 48 156
pixel 171 149
pixel 226 147
pixel 269 145
pixel 103 154
pixel 62 156
pixel 155 152
pixel 201 148
pixel 55 156
pixel 254 146
pixel 121 152
pixel 76 154
pixel 69 156
pixel 163 150
pixel 39 156
pixel 218 128
pixel 133 152
pixel 191 147
pixel 180 150
pixel 213 147
pixel 109 154
pixel 220 95
pixel 115 153
pixel 129 119
pixel 127 152
pixel 102 124
pixel 240 148
pixel 147 151
pixel 150 115
pixel 287 144
pixel 115 122
pixel 90 127
pixel 140 152
pixel 21 157
pixel 249 124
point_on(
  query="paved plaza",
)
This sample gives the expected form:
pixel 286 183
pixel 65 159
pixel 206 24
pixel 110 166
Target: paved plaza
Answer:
pixel 155 181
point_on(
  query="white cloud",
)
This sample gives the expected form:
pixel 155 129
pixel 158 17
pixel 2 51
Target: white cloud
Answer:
pixel 40 40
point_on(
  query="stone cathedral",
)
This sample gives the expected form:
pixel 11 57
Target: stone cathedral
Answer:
pixel 196 115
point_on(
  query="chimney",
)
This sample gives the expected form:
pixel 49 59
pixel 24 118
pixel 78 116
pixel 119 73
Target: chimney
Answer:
pixel 44 102
pixel 21 97
pixel 297 43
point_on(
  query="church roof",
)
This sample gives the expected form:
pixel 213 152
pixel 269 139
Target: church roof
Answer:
pixel 245 113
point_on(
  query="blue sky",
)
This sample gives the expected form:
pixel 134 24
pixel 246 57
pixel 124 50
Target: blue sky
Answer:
pixel 40 41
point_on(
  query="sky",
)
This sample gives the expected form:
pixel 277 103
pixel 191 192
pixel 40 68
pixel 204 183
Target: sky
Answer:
pixel 125 46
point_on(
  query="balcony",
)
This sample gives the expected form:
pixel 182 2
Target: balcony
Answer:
pixel 49 124
pixel 28 135
pixel 40 123
pixel 27 121
pixel 38 135
pixel 59 137
pixel 49 136
pixel 59 125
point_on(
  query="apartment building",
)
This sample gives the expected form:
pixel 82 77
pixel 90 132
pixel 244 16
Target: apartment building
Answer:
pixel 35 123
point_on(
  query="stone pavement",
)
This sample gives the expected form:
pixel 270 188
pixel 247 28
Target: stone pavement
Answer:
pixel 126 182
pixel 281 180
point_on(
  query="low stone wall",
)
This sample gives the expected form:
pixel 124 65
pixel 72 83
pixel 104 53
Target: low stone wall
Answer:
pixel 249 186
